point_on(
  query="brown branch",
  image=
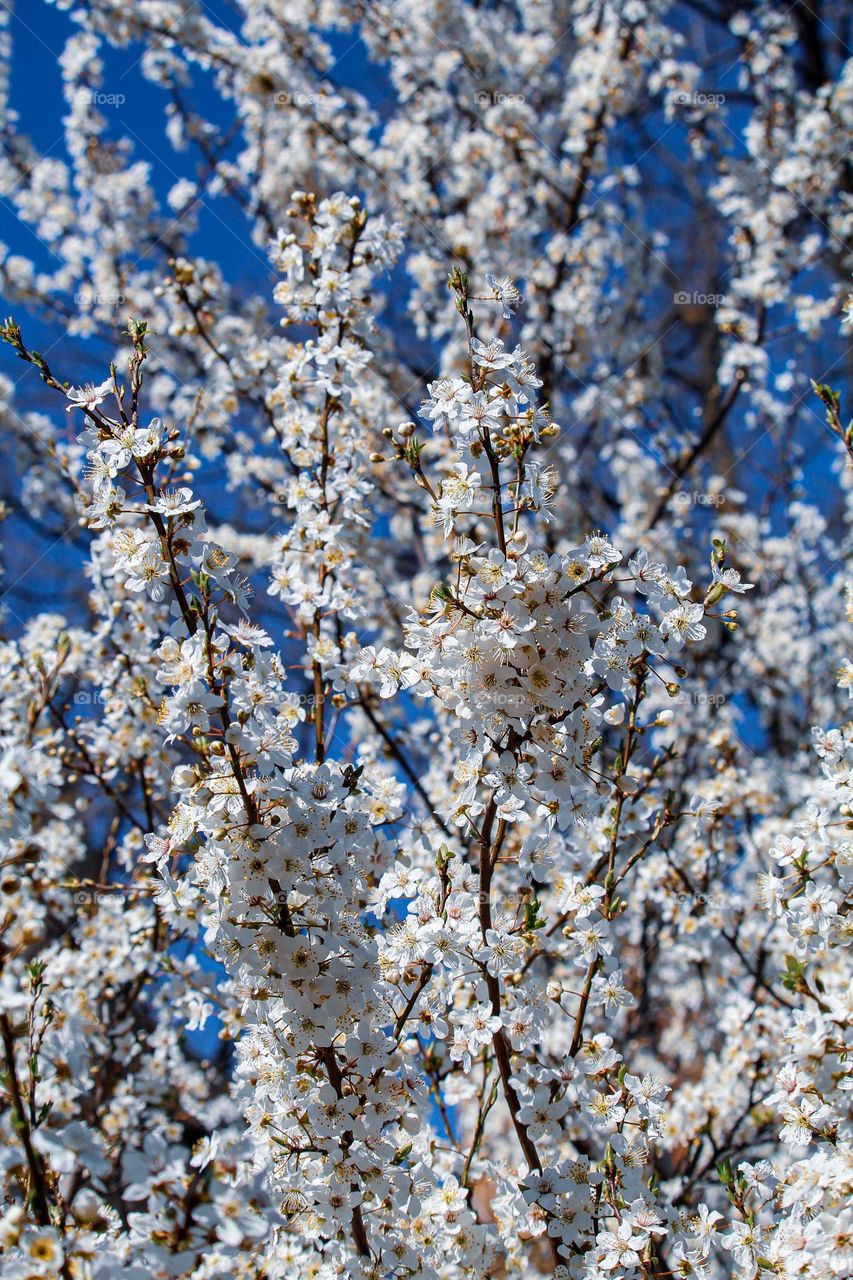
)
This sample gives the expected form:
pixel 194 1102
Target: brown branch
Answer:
pixel 37 1188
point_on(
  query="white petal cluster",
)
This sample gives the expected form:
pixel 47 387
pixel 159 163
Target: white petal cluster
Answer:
pixel 405 869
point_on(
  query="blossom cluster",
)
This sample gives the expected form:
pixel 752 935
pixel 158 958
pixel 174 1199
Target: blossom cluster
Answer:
pixel 506 930
pixel 413 859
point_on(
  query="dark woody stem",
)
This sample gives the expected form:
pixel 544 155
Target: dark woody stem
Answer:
pixel 37 1190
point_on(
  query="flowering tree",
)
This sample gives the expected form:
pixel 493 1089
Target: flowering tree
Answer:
pixel 419 866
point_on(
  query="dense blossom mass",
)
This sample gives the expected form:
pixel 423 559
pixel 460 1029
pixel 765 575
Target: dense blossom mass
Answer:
pixel 416 858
